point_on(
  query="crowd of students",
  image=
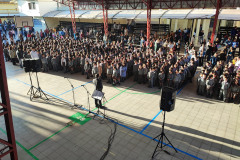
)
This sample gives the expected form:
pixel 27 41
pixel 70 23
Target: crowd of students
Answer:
pixel 220 81
pixel 8 27
pixel 156 64
pixel 220 76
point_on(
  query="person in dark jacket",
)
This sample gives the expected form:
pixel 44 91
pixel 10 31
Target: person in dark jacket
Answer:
pixel 6 54
pixel 99 87
pixel 140 74
pixel 135 70
pixel 87 69
pixel 19 53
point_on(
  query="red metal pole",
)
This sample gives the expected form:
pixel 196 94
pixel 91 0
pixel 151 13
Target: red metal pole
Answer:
pixel 149 7
pixel 72 13
pixel 216 19
pixel 105 18
pixel 74 20
pixel 6 109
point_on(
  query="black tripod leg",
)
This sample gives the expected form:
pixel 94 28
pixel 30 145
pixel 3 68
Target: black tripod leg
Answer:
pixel 29 91
pixel 44 95
pixel 156 136
pixel 170 143
pixel 160 140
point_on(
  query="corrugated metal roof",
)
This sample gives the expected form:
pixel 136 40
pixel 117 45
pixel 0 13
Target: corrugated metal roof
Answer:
pixel 226 14
pixel 201 14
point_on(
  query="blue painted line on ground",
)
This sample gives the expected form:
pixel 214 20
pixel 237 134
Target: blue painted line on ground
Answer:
pixel 44 91
pixel 119 124
pixel 18 70
pixel 22 82
pixel 74 88
pixel 161 110
pixel 158 113
pixel 151 121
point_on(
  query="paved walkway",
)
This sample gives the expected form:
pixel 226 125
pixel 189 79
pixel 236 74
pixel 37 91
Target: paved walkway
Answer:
pixel 199 128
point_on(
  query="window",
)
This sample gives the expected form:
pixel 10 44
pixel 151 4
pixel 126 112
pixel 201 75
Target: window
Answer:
pixel 230 23
pixel 211 23
pixel 31 6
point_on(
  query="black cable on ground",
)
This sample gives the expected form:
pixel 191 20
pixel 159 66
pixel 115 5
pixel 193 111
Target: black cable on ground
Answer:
pixel 110 139
pixel 112 135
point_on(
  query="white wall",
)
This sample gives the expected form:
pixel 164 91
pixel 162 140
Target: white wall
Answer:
pixel 24 9
pixel 46 6
pixel 42 7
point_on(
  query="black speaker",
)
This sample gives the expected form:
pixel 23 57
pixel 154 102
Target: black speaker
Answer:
pixel 30 65
pixel 168 98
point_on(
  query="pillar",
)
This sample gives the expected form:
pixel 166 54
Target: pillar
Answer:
pixel 176 25
pixel 193 28
pixel 216 20
pixel 223 23
pixel 206 24
pixel 197 31
pixel 105 18
pixel 149 8
pixel 237 24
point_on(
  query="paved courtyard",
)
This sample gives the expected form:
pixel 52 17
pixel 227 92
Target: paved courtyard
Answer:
pixel 199 128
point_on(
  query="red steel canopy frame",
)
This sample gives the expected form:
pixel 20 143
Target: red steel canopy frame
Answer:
pixel 219 2
pixel 105 18
pixel 156 4
pixel 149 8
pixel 5 110
pixel 72 12
pixel 106 5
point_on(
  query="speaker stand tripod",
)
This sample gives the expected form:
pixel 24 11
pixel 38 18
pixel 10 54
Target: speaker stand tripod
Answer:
pixel 31 90
pixel 160 140
pixel 40 91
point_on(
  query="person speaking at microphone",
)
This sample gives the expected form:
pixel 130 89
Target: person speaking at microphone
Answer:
pixel 98 83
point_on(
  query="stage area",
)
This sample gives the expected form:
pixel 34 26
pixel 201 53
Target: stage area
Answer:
pixel 199 128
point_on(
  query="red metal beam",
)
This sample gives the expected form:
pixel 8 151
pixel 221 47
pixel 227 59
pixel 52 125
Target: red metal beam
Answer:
pixel 5 142
pixel 105 18
pixel 216 19
pixel 156 4
pixel 5 153
pixel 149 8
pixel 6 102
pixel 4 106
pixel 72 13
pixel 2 113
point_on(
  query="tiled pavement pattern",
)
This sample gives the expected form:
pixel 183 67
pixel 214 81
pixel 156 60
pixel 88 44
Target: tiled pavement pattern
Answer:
pixel 203 128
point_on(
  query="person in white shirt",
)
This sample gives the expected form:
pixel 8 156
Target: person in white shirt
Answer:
pixel 237 64
pixel 170 45
pixel 34 54
pixel 208 44
pixel 126 31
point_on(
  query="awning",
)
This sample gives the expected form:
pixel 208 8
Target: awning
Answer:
pixel 128 14
pixel 176 14
pixel 9 15
pixel 62 14
pixel 91 14
pixel 78 13
pixel 111 14
pixel 52 13
pixel 226 14
pixel 155 14
pixel 201 14
pixel 230 14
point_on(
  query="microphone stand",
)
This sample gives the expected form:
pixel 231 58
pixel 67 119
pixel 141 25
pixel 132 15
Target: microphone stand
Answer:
pixel 74 104
pixel 89 94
